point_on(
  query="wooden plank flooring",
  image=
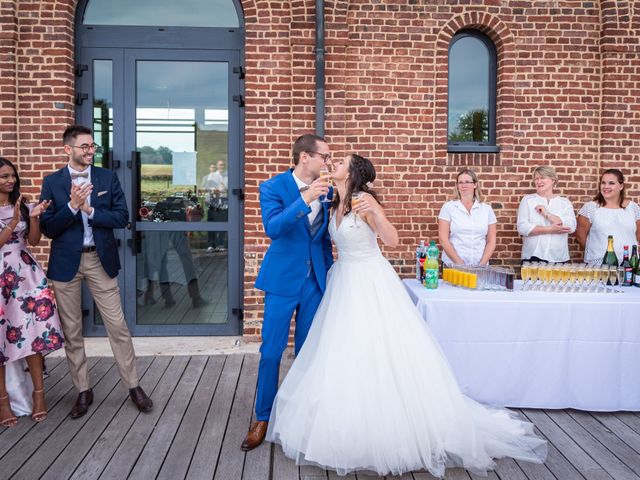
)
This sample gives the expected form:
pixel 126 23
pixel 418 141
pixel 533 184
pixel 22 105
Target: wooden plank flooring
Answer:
pixel 203 407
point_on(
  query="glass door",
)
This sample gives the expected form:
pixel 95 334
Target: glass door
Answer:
pixel 173 137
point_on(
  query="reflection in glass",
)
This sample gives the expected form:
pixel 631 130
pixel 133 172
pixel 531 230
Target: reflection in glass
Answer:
pixel 102 110
pixel 167 13
pixel 469 70
pixel 182 136
pixel 179 281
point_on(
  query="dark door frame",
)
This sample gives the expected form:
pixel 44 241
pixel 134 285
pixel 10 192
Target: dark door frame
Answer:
pixel 125 45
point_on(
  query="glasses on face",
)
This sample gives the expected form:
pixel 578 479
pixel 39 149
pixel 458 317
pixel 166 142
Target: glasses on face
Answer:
pixel 85 147
pixel 325 156
pixel 466 182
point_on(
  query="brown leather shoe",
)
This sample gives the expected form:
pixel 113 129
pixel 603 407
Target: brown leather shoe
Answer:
pixel 140 399
pixel 85 398
pixel 256 435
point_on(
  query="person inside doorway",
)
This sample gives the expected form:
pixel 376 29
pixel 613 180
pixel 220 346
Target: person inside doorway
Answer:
pixel 215 187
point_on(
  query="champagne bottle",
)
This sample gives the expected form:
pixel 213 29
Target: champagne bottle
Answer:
pixel 628 270
pixel 610 257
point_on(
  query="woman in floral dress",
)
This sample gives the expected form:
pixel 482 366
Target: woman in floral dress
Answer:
pixel 29 324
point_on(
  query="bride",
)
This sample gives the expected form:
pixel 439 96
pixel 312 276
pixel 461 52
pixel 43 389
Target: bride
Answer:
pixel 370 389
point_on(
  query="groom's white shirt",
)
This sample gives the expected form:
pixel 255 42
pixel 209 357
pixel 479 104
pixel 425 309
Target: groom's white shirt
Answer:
pixel 315 205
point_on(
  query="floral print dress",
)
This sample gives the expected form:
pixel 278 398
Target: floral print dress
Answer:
pixel 29 320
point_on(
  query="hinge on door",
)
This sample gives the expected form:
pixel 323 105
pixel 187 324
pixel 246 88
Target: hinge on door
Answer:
pixel 239 312
pixel 85 312
pixel 239 192
pixel 80 69
pixel 81 97
pixel 239 99
pixel 239 71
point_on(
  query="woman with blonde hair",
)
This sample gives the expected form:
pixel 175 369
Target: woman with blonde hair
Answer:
pixel 545 220
pixel 467 226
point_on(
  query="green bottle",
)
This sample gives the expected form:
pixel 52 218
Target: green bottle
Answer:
pixel 431 266
pixel 610 257
pixel 635 266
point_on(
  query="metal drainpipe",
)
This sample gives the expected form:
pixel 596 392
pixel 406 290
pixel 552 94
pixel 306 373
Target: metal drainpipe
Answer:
pixel 320 68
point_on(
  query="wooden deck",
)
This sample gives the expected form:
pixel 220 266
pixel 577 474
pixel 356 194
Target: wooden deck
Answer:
pixel 203 407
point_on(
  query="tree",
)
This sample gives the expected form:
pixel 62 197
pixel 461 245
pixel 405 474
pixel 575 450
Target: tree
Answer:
pixel 166 153
pixel 473 126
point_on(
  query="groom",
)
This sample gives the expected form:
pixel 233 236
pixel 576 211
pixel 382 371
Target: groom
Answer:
pixel 294 269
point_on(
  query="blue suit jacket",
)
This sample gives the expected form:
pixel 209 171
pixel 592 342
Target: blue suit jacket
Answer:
pixel 66 230
pixel 292 251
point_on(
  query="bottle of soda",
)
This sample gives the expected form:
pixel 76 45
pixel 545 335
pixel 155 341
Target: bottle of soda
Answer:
pixel 628 269
pixel 423 258
pixel 431 266
pixel 419 261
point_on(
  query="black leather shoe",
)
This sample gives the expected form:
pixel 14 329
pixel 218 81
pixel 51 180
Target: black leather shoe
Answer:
pixel 81 407
pixel 141 399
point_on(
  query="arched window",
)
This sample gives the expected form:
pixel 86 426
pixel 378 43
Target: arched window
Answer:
pixel 472 93
pixel 168 13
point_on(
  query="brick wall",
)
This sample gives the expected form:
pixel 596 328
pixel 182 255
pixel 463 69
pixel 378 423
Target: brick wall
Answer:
pixel 568 96
pixel 568 85
pixel 37 88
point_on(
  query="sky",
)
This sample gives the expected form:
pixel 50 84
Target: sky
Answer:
pixel 468 78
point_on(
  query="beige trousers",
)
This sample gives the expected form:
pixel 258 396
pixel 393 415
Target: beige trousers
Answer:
pixel 106 295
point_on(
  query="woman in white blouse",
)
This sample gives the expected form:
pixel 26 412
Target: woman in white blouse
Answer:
pixel 545 220
pixel 466 226
pixel 608 214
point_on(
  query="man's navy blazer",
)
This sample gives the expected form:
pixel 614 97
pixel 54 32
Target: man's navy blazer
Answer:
pixel 66 230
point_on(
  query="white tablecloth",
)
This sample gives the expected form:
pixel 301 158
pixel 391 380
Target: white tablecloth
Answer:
pixel 537 349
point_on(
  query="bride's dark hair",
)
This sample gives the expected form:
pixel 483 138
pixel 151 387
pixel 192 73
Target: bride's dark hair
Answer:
pixel 361 173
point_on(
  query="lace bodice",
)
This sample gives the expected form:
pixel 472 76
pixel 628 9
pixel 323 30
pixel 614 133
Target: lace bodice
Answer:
pixel 354 239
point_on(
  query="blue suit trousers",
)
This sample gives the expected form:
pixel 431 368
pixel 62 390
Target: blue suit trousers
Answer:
pixel 278 310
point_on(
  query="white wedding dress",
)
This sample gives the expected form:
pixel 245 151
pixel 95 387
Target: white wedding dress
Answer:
pixel 371 390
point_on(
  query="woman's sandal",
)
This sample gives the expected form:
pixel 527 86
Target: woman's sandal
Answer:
pixel 5 405
pixel 38 416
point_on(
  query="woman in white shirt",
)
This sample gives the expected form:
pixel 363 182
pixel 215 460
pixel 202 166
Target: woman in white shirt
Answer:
pixel 466 226
pixel 608 214
pixel 545 220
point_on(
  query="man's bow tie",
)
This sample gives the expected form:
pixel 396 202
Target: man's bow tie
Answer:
pixel 79 175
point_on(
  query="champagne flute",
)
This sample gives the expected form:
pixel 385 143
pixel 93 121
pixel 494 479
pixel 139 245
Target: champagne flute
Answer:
pixel 356 198
pixel 325 171
pixel 547 277
pixel 593 277
pixel 581 275
pixel 620 273
pixel 603 272
pixel 556 277
pixel 564 273
pixel 525 273
pixel 533 273
pixel 613 277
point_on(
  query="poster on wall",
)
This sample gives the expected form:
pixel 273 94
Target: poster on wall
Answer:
pixel 184 168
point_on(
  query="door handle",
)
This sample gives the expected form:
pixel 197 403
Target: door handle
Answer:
pixel 134 165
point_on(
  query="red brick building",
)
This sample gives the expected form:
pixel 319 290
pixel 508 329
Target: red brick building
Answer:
pixel 567 95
